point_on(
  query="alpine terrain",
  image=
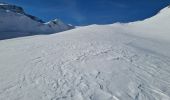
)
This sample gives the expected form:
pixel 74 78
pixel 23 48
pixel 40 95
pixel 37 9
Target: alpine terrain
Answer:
pixel 14 22
pixel 129 61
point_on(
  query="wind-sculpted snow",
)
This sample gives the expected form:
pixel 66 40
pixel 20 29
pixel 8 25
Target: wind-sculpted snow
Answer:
pixel 88 63
pixel 98 62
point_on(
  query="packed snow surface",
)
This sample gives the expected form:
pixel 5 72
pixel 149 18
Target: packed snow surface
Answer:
pixel 97 62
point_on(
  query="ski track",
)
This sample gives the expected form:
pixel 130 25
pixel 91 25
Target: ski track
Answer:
pixel 84 70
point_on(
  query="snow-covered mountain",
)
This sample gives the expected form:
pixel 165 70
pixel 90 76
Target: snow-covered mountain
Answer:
pixel 98 62
pixel 14 22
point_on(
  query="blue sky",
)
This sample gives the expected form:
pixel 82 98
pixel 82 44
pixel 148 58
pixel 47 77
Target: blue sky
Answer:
pixel 85 12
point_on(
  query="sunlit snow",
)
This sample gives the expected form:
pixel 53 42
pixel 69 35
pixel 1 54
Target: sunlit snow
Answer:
pixel 97 62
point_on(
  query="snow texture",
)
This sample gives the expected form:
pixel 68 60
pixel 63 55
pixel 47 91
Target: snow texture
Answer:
pixel 98 62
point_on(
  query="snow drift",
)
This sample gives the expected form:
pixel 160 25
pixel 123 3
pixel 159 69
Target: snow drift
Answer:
pixel 15 22
pixel 97 62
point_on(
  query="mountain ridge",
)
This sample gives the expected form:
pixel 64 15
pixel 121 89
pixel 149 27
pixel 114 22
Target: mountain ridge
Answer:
pixel 14 20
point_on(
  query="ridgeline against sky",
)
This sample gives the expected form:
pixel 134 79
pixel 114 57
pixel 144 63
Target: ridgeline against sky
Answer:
pixel 84 12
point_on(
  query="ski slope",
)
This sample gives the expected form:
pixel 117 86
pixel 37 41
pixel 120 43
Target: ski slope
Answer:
pixel 96 62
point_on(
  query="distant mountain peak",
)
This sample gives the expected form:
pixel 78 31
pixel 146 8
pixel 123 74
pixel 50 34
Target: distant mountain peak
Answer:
pixel 18 9
pixel 13 8
pixel 14 19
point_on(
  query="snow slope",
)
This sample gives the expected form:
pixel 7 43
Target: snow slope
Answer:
pixel 156 27
pixel 97 62
pixel 14 21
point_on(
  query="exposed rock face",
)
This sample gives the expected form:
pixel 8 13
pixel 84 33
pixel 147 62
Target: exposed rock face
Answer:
pixel 12 8
pixel 17 9
pixel 13 19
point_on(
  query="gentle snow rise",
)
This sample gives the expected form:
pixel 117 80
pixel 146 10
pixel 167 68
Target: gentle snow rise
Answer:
pixel 97 62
